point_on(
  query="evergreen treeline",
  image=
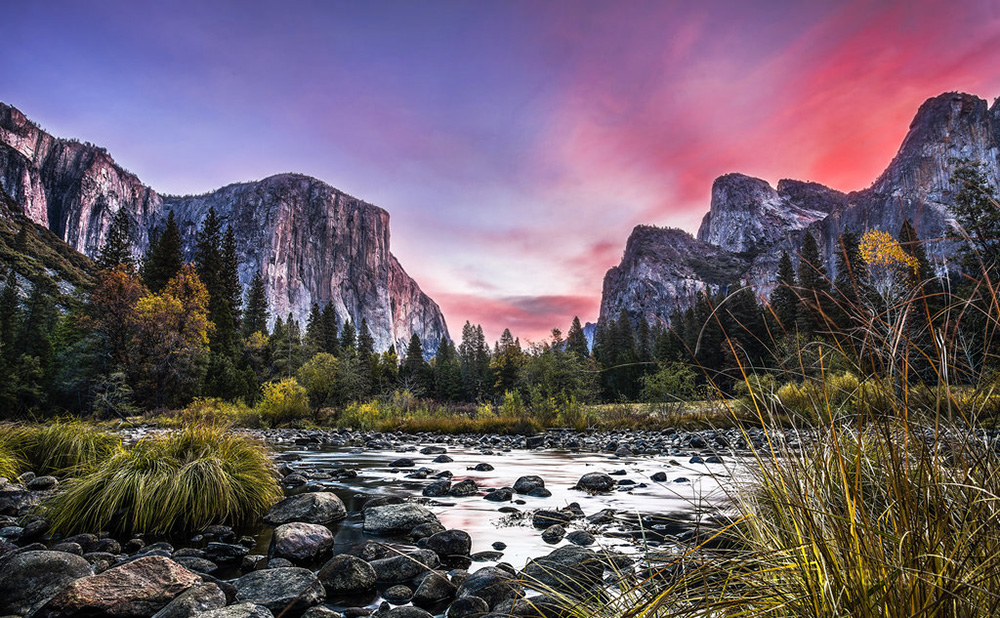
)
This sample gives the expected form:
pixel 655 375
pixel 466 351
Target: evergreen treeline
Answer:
pixel 156 331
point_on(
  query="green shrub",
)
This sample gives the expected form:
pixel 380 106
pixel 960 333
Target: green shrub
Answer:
pixel 60 447
pixel 178 482
pixel 360 416
pixel 283 402
pixel 10 465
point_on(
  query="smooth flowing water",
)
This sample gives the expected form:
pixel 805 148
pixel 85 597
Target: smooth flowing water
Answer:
pixel 690 490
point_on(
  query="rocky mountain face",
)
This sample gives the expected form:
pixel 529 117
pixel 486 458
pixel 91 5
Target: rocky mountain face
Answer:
pixel 311 242
pixel 750 223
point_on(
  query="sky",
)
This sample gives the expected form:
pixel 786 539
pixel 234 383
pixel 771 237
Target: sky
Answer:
pixel 514 144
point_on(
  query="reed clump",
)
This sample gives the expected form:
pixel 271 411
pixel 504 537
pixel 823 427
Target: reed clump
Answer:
pixel 61 447
pixel 177 482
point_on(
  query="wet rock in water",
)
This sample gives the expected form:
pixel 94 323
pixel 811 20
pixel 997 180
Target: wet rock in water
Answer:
pixel 553 534
pixel 442 459
pixel 581 538
pixel 15 499
pixel 492 585
pixel 526 484
pixel 543 518
pixel 540 492
pixel 276 589
pixel 682 479
pixel 398 594
pixel 225 553
pixel 659 477
pixel 425 530
pixel 696 441
pixel 433 589
pixel 499 545
pixel 403 462
pixel 404 567
pixel 29 579
pixel 321 611
pixel 302 542
pixel 623 451
pixel 294 479
pixel 198 565
pixel 468 607
pixel 279 563
pixel 437 489
pixel 433 450
pixel 596 482
pixel 41 483
pixel 464 488
pixel 347 575
pixel 252 563
pixel 68 548
pixel 450 544
pixel 369 550
pixel 483 467
pixel 714 459
pixel 570 569
pixel 500 495
pixel 407 611
pixel 136 589
pixel 486 556
pixel 201 598
pixel 696 460
pixel 396 518
pixel 239 610
pixel 318 507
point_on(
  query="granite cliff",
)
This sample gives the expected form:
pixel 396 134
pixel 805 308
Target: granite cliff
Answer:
pixel 311 242
pixel 750 223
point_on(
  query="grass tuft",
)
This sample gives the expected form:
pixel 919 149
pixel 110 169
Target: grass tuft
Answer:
pixel 60 448
pixel 178 482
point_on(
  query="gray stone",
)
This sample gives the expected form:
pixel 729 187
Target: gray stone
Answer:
pixel 450 544
pixel 596 482
pixel 405 567
pixel 346 574
pixel 491 584
pixel 569 569
pixel 277 589
pixel 302 542
pixel 396 518
pixel 239 610
pixel 468 607
pixel 525 484
pixel 316 507
pixel 201 598
pixel 553 534
pixel 398 594
pixel 466 487
pixel 29 579
pixel 433 589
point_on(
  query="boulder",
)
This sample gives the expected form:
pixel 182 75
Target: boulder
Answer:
pixel 29 579
pixel 396 518
pixel 347 575
pixel 571 570
pixel 596 482
pixel 468 607
pixel 301 542
pixel 407 611
pixel 464 488
pixel 543 518
pixel 553 534
pixel 437 489
pixel 135 589
pixel 201 598
pixel 317 507
pixel 491 584
pixel 404 567
pixel 279 588
pixel 433 589
pixel 450 544
pixel 525 484
pixel 500 495
pixel 240 610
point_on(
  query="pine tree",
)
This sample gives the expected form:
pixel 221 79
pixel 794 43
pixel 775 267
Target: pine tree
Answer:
pixel 163 259
pixel 576 341
pixel 784 301
pixel 447 372
pixel 220 279
pixel 414 369
pixel 256 316
pixel 315 341
pixel 348 339
pixel 9 316
pixel 977 213
pixel 21 240
pixel 117 248
pixel 331 335
pixel 232 289
pixel 814 290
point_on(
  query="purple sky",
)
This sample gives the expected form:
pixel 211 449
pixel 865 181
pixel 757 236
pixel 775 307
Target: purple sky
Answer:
pixel 515 144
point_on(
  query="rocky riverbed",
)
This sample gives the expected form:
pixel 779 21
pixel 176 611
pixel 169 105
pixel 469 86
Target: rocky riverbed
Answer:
pixel 396 525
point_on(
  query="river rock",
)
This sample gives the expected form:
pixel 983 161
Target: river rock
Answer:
pixel 543 518
pixel 570 570
pixel 41 483
pixel 433 589
pixel 468 607
pixel 398 594
pixel 581 538
pixel 500 495
pixel 15 498
pixel 240 610
pixel 194 563
pixel 553 534
pixel 347 575
pixel 437 489
pixel 407 611
pixel 201 598
pixel 595 481
pixel 397 518
pixel 317 507
pixel 225 553
pixel 29 579
pixel 525 484
pixel 404 567
pixel 442 459
pixel 302 542
pixel 659 477
pixel 464 488
pixel 136 589
pixel 491 584
pixel 450 544
pixel 321 611
pixel 276 589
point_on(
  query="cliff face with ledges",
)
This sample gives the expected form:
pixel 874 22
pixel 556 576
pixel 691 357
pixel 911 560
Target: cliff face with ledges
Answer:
pixel 311 242
pixel 752 223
